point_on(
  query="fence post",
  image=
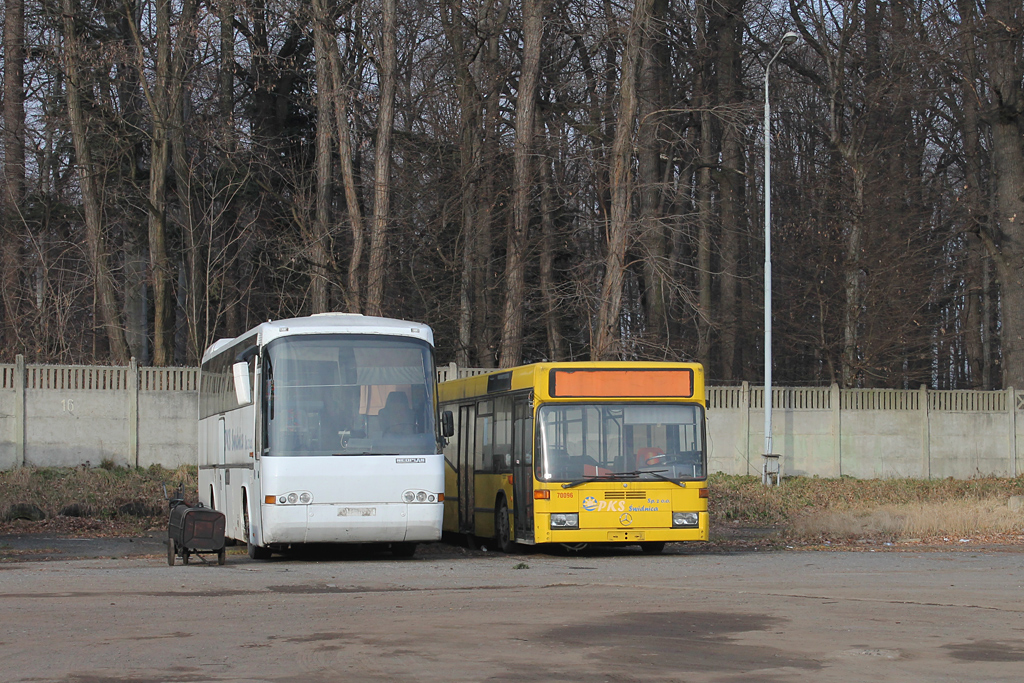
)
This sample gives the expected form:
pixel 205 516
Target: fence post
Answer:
pixel 133 411
pixel 837 430
pixel 1011 401
pixel 745 428
pixel 19 411
pixel 926 434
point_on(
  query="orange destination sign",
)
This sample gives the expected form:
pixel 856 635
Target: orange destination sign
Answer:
pixel 608 383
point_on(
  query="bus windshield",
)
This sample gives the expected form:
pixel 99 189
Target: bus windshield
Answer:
pixel 576 442
pixel 336 394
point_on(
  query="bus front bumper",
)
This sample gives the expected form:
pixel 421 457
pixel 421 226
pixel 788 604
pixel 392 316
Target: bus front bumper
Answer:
pixel 352 523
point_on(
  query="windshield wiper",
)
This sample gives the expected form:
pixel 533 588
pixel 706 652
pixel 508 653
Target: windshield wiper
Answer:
pixel 622 475
pixel 663 477
pixel 601 477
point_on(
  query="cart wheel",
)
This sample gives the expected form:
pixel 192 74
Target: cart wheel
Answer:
pixel 222 556
pixel 184 556
pixel 171 551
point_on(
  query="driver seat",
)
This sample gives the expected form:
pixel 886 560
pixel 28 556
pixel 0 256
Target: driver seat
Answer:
pixel 645 455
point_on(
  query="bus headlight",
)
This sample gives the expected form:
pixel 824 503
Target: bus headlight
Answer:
pixel 565 520
pixel 685 519
pixel 417 496
pixel 291 498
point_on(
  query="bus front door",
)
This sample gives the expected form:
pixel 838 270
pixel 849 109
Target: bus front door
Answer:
pixel 522 470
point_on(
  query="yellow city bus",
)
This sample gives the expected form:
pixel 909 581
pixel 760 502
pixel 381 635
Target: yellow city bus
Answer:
pixel 578 453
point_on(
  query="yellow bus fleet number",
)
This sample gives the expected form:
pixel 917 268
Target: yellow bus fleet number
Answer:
pixel 565 494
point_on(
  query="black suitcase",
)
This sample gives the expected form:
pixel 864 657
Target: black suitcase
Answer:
pixel 194 531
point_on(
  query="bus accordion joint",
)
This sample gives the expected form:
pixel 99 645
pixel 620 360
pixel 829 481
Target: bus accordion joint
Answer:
pixel 702 493
pixel 542 495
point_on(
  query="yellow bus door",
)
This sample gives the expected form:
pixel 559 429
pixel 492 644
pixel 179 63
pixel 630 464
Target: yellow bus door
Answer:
pixel 522 470
pixel 467 432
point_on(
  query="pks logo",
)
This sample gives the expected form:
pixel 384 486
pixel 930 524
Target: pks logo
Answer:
pixel 591 504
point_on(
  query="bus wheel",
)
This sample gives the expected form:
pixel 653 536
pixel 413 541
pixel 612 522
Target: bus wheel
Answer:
pixel 256 552
pixel 652 547
pixel 222 556
pixel 403 549
pixel 171 551
pixel 502 528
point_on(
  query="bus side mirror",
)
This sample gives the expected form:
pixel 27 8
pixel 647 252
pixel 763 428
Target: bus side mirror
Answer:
pixel 447 424
pixel 243 392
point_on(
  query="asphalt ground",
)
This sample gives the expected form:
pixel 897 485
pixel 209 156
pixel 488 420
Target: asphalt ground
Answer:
pixel 456 614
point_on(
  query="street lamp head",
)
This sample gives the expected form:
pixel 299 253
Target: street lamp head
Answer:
pixel 790 38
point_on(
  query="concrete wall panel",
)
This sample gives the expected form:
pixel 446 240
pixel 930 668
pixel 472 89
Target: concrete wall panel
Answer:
pixel 71 427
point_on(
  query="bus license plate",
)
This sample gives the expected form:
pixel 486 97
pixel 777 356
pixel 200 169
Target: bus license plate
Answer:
pixel 357 512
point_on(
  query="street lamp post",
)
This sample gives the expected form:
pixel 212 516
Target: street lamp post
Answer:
pixel 769 457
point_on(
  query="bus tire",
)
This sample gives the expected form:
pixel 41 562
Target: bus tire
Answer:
pixel 652 547
pixel 222 556
pixel 502 528
pixel 256 552
pixel 172 551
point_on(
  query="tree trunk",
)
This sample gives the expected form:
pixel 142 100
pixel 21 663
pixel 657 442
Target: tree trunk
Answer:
pixel 199 321
pixel 382 161
pixel 13 188
pixel 606 343
pixel 1006 73
pixel 317 246
pixel 106 297
pixel 552 322
pixel 348 175
pixel 160 159
pixel 652 102
pixel 526 108
pixel 730 184
pixel 705 207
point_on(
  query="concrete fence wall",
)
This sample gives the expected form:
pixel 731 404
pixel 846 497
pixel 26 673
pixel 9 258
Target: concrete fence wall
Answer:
pixel 64 416
pixel 869 433
pixel 72 415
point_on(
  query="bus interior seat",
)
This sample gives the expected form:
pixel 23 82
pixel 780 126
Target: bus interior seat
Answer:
pixel 396 416
pixel 645 455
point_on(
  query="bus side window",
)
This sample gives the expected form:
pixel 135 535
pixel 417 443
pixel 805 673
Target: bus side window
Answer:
pixel 501 460
pixel 523 432
pixel 484 437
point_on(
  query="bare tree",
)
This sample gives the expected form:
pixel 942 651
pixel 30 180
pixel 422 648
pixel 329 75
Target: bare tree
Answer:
pixel 610 306
pixel 526 110
pixel 386 65
pixel 13 189
pixel 103 282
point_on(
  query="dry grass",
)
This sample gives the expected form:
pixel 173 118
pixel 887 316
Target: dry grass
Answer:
pixel 99 493
pixel 891 509
pixel 954 518
pixel 802 509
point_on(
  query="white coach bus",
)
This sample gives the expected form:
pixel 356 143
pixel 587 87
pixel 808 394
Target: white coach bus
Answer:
pixel 323 430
